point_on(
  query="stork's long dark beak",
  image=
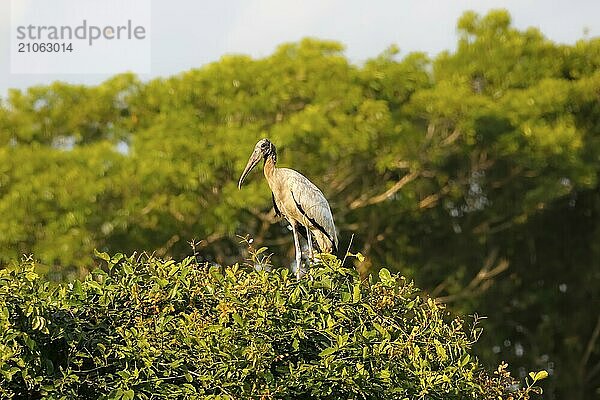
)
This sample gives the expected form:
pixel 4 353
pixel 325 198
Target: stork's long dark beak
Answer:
pixel 252 161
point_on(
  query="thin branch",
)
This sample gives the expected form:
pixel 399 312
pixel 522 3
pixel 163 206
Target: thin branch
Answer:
pixel 430 132
pixel 338 185
pixel 590 346
pixel 432 199
pixel 385 195
pixel 593 371
pixel 482 281
pixel 214 237
pixel 348 250
pixel 268 217
pixel 488 229
pixel 163 250
pixel 439 288
pixel 451 138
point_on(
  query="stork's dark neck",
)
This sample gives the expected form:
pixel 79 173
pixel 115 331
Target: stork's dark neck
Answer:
pixel 271 153
pixel 270 157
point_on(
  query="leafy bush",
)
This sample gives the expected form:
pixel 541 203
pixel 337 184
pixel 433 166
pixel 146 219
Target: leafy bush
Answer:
pixel 149 328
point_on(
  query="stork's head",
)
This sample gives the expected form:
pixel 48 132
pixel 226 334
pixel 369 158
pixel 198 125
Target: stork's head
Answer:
pixel 263 149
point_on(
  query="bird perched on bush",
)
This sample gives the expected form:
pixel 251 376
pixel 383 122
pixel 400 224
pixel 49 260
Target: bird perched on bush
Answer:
pixel 298 200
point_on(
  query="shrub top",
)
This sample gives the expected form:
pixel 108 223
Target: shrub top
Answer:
pixel 145 327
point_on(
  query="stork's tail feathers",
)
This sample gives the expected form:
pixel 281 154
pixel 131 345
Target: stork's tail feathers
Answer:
pixel 325 244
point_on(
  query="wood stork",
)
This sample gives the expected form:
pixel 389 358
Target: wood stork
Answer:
pixel 298 200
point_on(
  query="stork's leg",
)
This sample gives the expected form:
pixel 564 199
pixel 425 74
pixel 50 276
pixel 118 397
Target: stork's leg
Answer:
pixel 310 245
pixel 298 250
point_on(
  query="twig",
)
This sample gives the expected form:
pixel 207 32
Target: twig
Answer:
pixel 163 250
pixel 595 369
pixel 432 199
pixel 590 346
pixel 193 245
pixel 451 138
pixel 385 195
pixel 481 281
pixel 349 245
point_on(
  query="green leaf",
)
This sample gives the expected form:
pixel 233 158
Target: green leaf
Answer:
pixel 128 395
pixel 543 374
pixel 358 256
pixel 124 374
pixel 385 276
pixel 384 374
pixel 116 258
pixel 342 340
pixel 31 276
pixel 356 295
pixel 328 351
pixel 261 250
pixel 102 255
pixel 238 319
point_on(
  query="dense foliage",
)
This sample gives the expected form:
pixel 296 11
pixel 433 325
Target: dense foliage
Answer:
pixel 148 328
pixel 474 173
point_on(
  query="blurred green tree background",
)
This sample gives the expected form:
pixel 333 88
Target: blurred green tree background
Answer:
pixel 474 173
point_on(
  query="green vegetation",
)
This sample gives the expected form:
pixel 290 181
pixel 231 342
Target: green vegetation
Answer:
pixel 148 328
pixel 475 173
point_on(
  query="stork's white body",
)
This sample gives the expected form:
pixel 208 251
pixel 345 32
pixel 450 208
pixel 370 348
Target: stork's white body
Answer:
pixel 301 202
pixel 298 200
